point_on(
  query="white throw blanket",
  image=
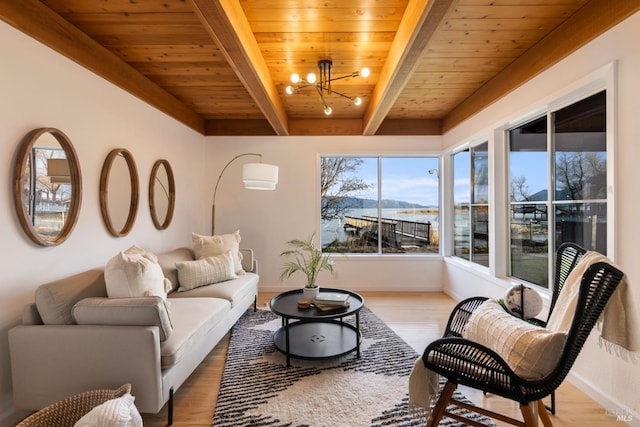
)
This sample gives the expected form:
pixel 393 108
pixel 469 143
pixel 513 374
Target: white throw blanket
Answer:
pixel 423 388
pixel 618 323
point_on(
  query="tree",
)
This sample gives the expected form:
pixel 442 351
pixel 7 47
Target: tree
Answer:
pixel 581 175
pixel 337 182
pixel 519 189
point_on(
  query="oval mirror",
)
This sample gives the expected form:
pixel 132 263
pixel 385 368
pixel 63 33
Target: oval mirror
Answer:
pixel 47 186
pixel 119 192
pixel 162 194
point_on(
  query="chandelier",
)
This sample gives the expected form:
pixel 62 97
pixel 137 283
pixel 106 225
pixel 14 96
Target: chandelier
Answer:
pixel 322 84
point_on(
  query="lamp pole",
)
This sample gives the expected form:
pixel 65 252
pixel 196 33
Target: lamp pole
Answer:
pixel 215 191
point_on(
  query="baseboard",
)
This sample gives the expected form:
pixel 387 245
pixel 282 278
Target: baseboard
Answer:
pixel 612 408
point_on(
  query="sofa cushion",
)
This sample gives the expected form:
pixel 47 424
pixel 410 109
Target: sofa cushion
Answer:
pixel 191 318
pixel 205 271
pixel 135 273
pixel 206 246
pixel 168 262
pixel 531 351
pixel 231 290
pixel 140 311
pixel 55 300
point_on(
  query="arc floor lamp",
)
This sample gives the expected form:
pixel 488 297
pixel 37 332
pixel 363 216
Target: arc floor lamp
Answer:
pixel 255 176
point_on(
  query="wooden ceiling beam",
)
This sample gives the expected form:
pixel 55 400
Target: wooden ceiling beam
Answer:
pixel 38 21
pixel 235 127
pixel 419 22
pixel 228 26
pixel 410 127
pixel 325 127
pixel 593 19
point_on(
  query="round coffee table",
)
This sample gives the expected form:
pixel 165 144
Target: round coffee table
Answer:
pixel 314 333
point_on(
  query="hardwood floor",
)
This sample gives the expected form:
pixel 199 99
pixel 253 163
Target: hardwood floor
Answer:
pixel 418 318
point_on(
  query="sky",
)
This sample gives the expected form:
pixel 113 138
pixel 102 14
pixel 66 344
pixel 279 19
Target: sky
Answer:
pixel 408 179
pixel 403 178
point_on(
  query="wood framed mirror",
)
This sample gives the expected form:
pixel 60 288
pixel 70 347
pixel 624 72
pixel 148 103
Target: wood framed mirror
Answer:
pixel 119 192
pixel 47 186
pixel 162 194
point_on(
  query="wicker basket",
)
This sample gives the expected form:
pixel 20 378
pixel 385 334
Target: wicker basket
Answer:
pixel 67 412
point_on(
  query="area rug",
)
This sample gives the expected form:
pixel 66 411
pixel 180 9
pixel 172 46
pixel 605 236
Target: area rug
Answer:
pixel 257 388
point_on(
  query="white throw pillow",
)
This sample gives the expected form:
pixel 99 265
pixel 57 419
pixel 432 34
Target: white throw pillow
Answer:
pixel 135 273
pixel 531 351
pixel 205 271
pixel 206 246
pixel 119 412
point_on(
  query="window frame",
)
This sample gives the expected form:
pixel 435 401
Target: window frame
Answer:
pixel 378 156
pixel 601 80
pixel 470 147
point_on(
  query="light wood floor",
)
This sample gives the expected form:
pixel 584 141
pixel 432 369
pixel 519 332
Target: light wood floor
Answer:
pixel 418 318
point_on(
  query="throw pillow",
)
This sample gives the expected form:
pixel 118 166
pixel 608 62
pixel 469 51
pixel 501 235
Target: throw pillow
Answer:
pixel 531 351
pixel 119 412
pixel 135 273
pixel 205 271
pixel 140 311
pixel 206 246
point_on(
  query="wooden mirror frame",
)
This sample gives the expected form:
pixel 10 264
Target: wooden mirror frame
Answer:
pixel 104 191
pixel 171 194
pixel 19 171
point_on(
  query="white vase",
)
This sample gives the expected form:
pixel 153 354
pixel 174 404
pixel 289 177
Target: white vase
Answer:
pixel 310 293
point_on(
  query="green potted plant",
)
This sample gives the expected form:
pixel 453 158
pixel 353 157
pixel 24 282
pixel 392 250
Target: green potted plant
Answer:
pixel 307 258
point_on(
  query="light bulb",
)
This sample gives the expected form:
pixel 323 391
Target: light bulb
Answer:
pixel 311 78
pixel 365 72
pixel 295 78
pixel 328 110
pixel 357 101
pixel 289 90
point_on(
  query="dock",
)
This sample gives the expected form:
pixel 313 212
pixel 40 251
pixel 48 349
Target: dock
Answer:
pixel 394 232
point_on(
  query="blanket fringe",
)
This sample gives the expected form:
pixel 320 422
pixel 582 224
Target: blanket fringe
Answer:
pixel 619 351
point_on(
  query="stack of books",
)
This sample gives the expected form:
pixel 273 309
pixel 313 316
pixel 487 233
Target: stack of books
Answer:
pixel 331 301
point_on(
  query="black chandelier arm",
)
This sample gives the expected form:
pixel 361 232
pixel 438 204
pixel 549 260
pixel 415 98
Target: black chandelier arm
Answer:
pixel 319 90
pixel 347 76
pixel 329 90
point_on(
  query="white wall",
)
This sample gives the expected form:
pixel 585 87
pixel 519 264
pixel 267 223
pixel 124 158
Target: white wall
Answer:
pixel 268 219
pixel 611 381
pixel 40 88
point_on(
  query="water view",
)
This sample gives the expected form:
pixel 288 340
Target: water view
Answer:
pixel 355 240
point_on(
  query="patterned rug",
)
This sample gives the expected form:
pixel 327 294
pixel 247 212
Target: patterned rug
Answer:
pixel 257 388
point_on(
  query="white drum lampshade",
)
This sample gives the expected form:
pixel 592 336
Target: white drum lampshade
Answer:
pixel 259 176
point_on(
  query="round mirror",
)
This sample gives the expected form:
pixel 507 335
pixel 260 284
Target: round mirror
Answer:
pixel 47 186
pixel 119 192
pixel 162 194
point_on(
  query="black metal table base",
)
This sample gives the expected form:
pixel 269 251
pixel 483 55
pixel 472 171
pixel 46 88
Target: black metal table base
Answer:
pixel 321 339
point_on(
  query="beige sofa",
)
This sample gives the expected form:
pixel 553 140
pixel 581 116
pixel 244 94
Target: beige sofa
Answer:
pixel 53 357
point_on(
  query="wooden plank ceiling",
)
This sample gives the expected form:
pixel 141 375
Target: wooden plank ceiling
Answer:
pixel 221 67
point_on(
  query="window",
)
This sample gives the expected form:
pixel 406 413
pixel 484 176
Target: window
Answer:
pixel 558 169
pixel 471 204
pixel 380 205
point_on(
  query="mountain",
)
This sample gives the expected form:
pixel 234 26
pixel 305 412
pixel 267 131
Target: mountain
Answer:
pixel 358 203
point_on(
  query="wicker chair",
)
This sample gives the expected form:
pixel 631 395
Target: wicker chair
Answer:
pixel 67 412
pixel 468 363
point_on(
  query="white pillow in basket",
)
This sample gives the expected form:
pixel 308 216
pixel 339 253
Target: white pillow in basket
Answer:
pixel 135 273
pixel 531 351
pixel 205 271
pixel 119 412
pixel 206 246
